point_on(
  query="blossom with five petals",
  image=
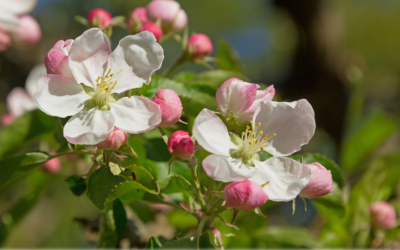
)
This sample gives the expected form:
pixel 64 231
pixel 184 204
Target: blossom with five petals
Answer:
pixel 280 128
pixel 91 95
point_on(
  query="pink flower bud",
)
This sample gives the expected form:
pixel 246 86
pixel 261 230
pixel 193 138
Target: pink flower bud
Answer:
pixel 169 12
pixel 5 40
pixel 181 145
pixel 320 182
pixel 383 215
pixel 199 46
pixel 7 119
pixel 153 28
pixel 56 60
pixel 242 99
pixel 115 140
pixel 244 195
pixel 99 18
pixel 171 107
pixel 137 19
pixel 52 166
pixel 28 33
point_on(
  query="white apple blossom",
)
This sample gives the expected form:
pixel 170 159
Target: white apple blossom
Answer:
pixel 11 9
pixel 280 128
pixel 91 95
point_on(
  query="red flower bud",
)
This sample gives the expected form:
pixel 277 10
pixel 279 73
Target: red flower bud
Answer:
pixel 383 215
pixel 115 140
pixel 180 145
pixel 99 18
pixel 153 28
pixel 244 195
pixel 199 46
pixel 171 107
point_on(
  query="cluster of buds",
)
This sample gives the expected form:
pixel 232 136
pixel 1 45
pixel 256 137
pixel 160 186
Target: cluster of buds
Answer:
pixel 25 36
pixel 159 17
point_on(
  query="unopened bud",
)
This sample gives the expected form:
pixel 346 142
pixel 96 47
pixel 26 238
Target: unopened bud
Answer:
pixel 383 215
pixel 115 140
pixel 56 60
pixel 7 119
pixel 181 145
pixel 99 18
pixel 171 106
pixel 245 196
pixel 169 13
pixel 28 33
pixel 153 28
pixel 137 19
pixel 52 166
pixel 320 182
pixel 199 46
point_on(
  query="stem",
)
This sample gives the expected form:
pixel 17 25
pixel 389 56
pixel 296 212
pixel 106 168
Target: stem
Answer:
pixel 200 230
pixel 179 62
pixel 163 134
pixel 71 153
pixel 193 168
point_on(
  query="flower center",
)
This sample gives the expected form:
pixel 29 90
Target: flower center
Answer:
pixel 250 144
pixel 105 84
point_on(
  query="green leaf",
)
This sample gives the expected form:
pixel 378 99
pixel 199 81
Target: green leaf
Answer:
pixel 184 76
pixel 126 149
pixel 228 58
pixel 113 226
pixel 285 237
pixel 372 133
pixel 24 129
pixel 3 231
pixel 189 243
pixel 141 175
pixel 76 184
pixel 20 164
pixel 329 164
pixel 155 243
pixel 215 78
pixel 174 184
pixel 165 83
pixel 100 184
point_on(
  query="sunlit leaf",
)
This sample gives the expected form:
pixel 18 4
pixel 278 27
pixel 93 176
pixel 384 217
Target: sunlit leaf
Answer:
pixel 174 184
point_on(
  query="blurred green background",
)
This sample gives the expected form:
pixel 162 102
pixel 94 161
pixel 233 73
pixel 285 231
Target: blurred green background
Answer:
pixel 340 55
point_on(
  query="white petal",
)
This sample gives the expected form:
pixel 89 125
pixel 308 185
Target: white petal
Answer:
pixel 36 73
pixel 212 134
pixel 138 56
pixel 286 177
pixel 8 21
pixel 293 123
pixel 19 102
pixel 89 127
pixel 59 95
pixel 136 114
pixel 227 169
pixel 88 56
pixel 17 7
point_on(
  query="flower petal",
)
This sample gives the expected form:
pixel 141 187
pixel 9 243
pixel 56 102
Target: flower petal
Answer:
pixel 19 102
pixel 136 114
pixel 138 56
pixel 89 127
pixel 287 177
pixel 293 123
pixel 212 134
pixel 235 95
pixel 18 7
pixel 227 169
pixel 88 56
pixel 8 21
pixel 59 95
pixel 33 77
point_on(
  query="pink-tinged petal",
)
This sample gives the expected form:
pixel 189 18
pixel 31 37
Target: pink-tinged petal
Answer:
pixel 115 140
pixel 89 127
pixel 293 123
pixel 320 182
pixel 28 33
pixel 234 95
pixel 138 56
pixel 227 169
pixel 286 177
pixel 140 14
pixel 180 21
pixel 165 10
pixel 18 7
pixel 19 102
pixel 56 60
pixel 211 133
pixel 34 75
pixel 171 106
pixel 60 96
pixel 262 95
pixel 246 195
pixel 88 56
pixel 8 21
pixel 181 145
pixel 136 114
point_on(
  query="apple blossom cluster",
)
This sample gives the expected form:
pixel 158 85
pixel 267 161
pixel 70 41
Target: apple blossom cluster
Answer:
pixel 16 27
